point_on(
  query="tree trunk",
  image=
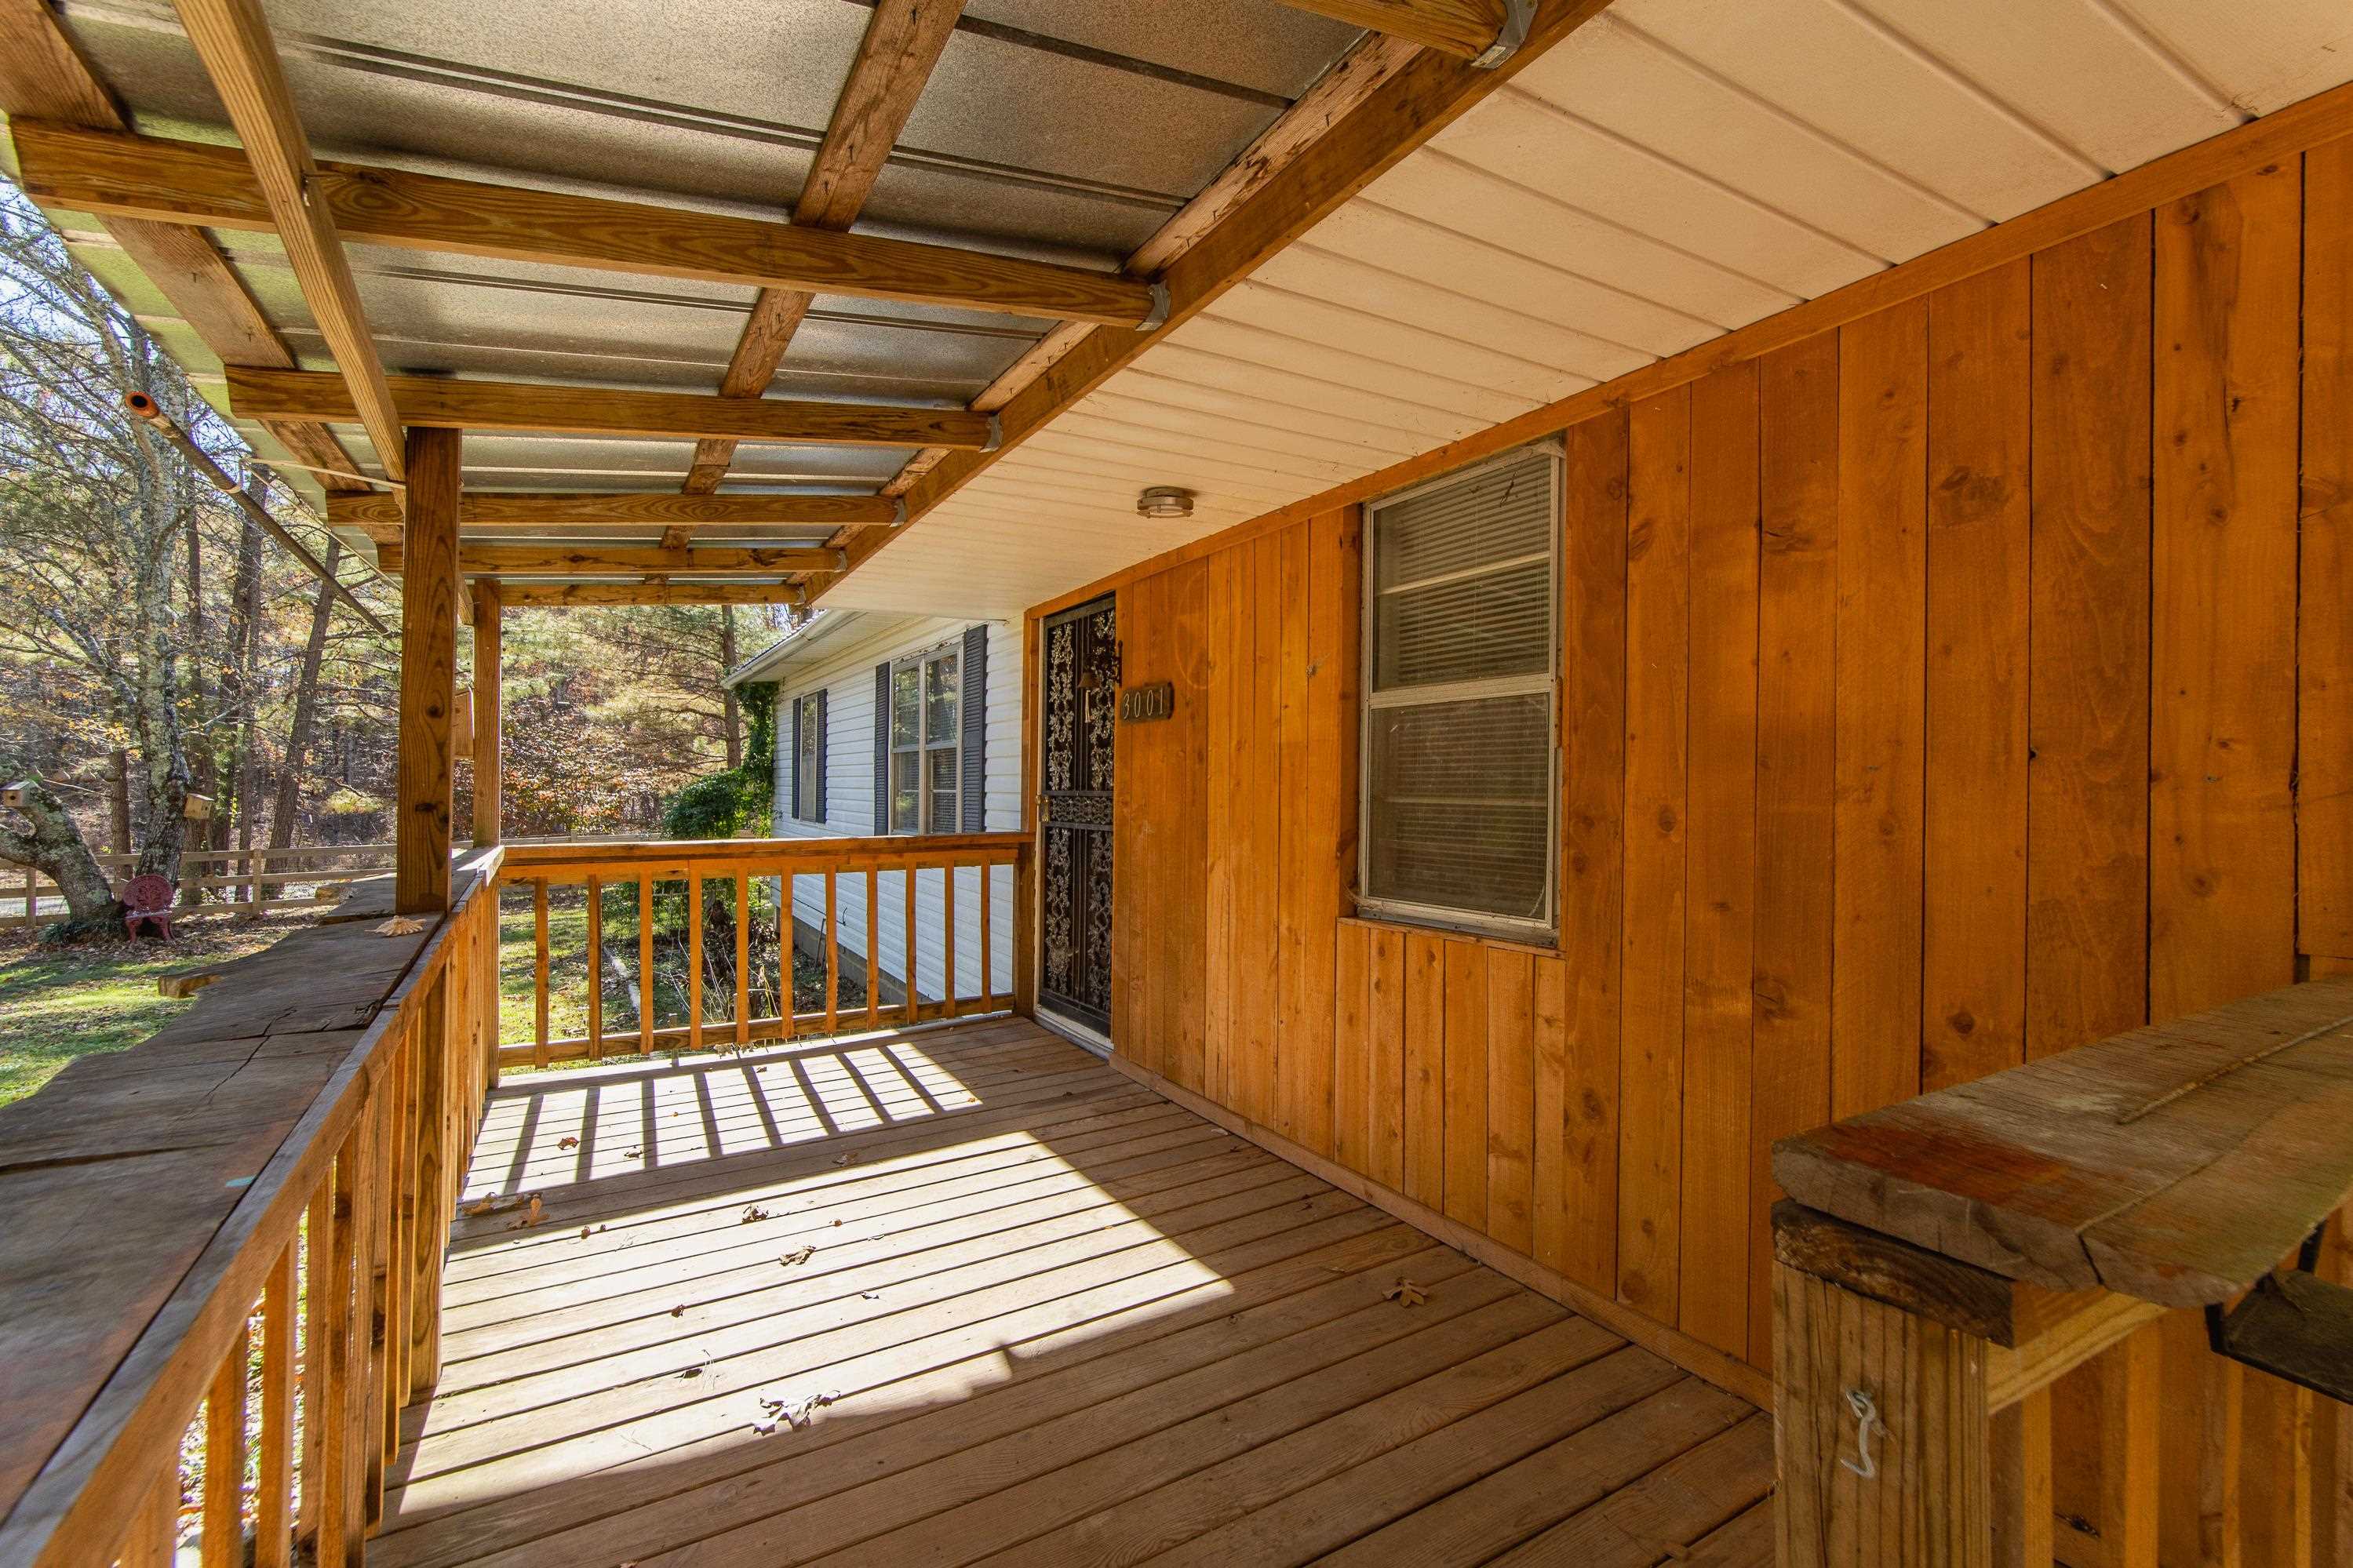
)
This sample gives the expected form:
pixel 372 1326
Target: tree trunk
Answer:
pixel 240 695
pixel 118 803
pixel 727 662
pixel 55 847
pixel 283 815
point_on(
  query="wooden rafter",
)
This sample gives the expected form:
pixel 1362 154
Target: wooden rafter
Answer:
pixel 902 42
pixel 189 184
pixel 558 560
pixel 1407 107
pixel 543 595
pixel 438 403
pixel 1463 28
pixel 44 76
pixel 624 512
pixel 233 39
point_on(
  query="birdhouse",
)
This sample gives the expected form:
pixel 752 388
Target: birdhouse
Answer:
pixel 197 808
pixel 19 793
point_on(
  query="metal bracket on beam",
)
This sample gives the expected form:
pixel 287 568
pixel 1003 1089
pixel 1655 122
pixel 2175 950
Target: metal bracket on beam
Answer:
pixel 995 432
pixel 898 511
pixel 1519 15
pixel 1158 316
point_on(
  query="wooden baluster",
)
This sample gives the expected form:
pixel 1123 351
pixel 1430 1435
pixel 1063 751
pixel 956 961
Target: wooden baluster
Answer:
pixel 987 946
pixel 376 1323
pixel 2128 1449
pixel 337 1362
pixel 155 1523
pixel 873 941
pixel 423 1261
pixel 789 1028
pixel 492 933
pixel 273 1531
pixel 645 966
pixel 693 960
pixel 2023 1516
pixel 832 955
pixel 948 987
pixel 222 1543
pixel 407 1116
pixel 318 1252
pixel 742 960
pixel 915 1006
pixel 595 969
pixel 539 973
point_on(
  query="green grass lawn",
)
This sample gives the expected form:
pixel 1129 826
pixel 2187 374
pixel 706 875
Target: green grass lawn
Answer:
pixel 77 1002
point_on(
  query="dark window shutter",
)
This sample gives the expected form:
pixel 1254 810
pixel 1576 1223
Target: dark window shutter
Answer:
pixel 818 720
pixel 882 747
pixel 793 800
pixel 975 714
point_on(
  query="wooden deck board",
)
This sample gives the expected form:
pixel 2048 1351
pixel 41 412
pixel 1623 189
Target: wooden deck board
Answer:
pixel 1046 1318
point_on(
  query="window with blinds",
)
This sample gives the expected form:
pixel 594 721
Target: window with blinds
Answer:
pixel 1461 652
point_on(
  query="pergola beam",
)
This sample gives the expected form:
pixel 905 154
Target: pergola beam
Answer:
pixel 546 595
pixel 189 183
pixel 902 44
pixel 638 511
pixel 435 402
pixel 232 37
pixel 43 75
pixel 556 561
pixel 1467 29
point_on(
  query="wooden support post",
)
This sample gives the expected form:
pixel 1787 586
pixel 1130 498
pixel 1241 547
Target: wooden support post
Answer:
pixel 428 665
pixel 645 966
pixel 742 960
pixel 489 778
pixel 1883 1434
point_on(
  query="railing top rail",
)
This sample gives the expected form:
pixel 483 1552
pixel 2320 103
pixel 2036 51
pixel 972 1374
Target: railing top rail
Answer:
pixel 149 1190
pixel 2178 1163
pixel 529 860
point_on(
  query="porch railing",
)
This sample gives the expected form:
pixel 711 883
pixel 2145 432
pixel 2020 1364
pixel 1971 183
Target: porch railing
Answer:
pixel 331 1252
pixel 921 873
pixel 1942 1264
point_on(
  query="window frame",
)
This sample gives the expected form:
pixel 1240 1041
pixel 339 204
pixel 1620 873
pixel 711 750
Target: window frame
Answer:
pixel 924 745
pixel 808 749
pixel 1545 931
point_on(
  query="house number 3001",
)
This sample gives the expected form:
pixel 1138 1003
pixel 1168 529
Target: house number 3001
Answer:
pixel 1142 704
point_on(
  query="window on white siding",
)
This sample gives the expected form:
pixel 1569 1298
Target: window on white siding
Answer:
pixel 926 750
pixel 806 775
pixel 1462 664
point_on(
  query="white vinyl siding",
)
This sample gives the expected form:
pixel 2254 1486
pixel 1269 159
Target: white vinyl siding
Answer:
pixel 846 674
pixel 1460 659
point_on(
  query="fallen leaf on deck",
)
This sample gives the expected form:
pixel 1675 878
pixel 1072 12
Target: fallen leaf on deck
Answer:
pixel 793 1414
pixel 400 925
pixel 534 1217
pixel 567 1143
pixel 631 1154
pixel 678 1311
pixel 488 1205
pixel 753 1212
pixel 1405 1292
pixel 803 1255
pixel 690 1372
pixel 584 1232
pixel 847 1159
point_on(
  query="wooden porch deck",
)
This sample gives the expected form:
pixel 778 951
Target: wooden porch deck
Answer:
pixel 970 1295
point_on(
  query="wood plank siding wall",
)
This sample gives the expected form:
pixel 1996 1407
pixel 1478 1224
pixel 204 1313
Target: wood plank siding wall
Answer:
pixel 1935 695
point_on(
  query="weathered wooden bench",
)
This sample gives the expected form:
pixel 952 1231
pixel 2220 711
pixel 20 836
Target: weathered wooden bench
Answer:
pixel 1941 1263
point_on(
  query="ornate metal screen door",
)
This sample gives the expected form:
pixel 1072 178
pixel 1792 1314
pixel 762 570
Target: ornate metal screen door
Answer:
pixel 1081 710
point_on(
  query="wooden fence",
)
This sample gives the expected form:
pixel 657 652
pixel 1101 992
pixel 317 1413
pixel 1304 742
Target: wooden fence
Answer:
pixel 600 864
pixel 216 881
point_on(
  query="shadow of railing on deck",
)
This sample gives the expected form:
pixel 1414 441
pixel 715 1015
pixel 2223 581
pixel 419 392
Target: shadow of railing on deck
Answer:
pixel 988 1236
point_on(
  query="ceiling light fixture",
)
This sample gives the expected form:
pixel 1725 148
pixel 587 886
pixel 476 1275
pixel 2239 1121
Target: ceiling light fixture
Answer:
pixel 1165 502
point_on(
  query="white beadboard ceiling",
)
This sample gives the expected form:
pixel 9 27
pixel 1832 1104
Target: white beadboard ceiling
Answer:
pixel 1677 168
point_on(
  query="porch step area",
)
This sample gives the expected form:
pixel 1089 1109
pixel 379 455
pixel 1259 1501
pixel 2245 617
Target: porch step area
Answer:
pixel 967 1295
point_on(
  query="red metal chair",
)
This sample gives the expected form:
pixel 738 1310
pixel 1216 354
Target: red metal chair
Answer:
pixel 147 900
